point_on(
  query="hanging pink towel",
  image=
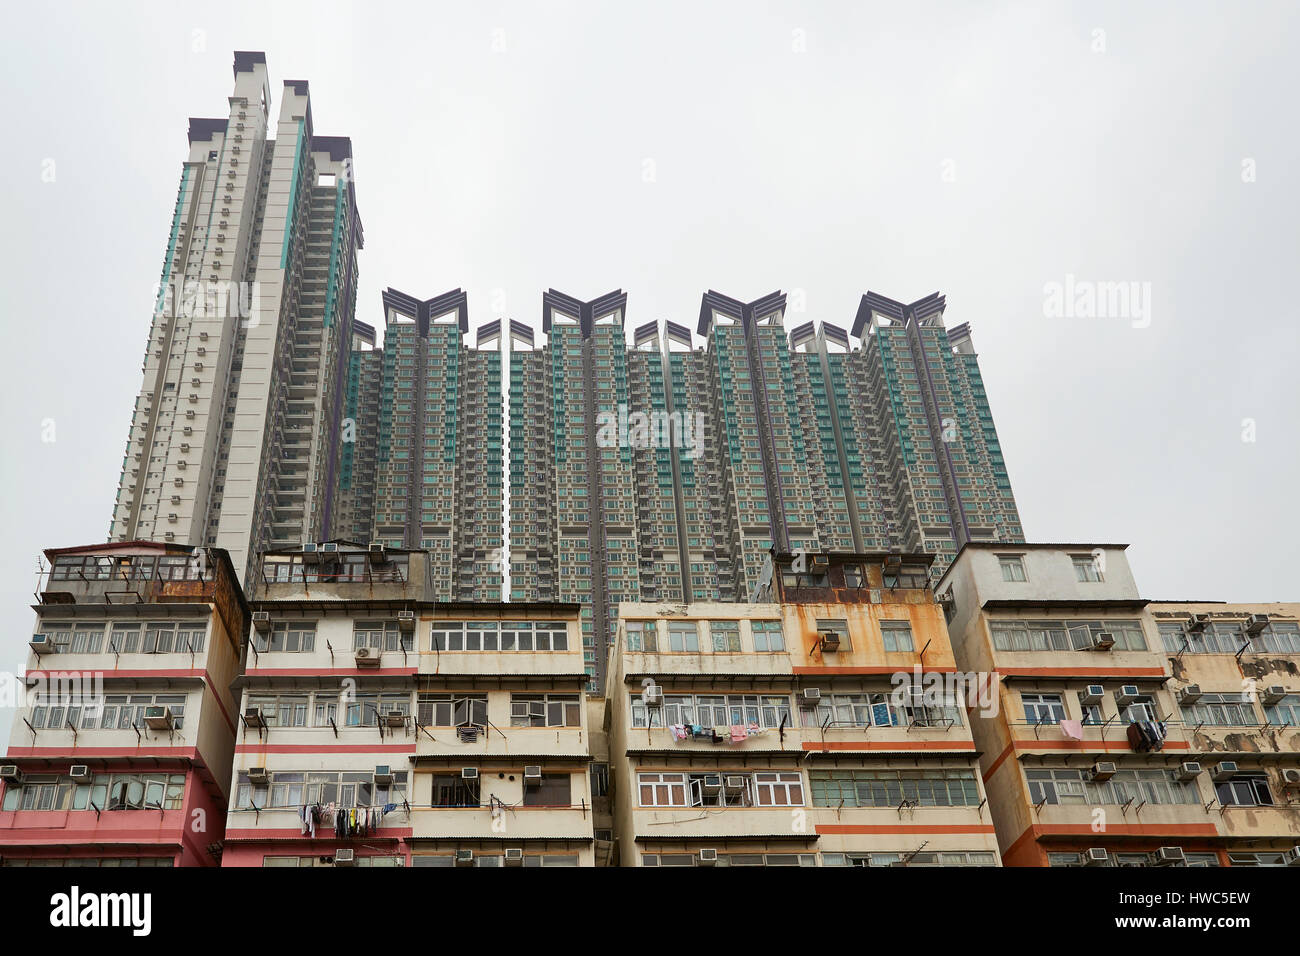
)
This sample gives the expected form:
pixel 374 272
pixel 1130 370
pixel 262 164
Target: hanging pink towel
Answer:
pixel 1072 729
pixel 738 733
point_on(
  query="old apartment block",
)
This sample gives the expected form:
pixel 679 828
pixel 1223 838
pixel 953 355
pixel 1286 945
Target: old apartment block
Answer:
pixel 1129 733
pixel 382 728
pixel 776 734
pixel 121 751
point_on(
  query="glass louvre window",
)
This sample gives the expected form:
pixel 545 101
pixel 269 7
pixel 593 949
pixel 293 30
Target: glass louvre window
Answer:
pixel 641 636
pixel 897 636
pixel 768 636
pixel 1220 710
pixel 889 788
pixel 1043 708
pixel 725 636
pixel 452 710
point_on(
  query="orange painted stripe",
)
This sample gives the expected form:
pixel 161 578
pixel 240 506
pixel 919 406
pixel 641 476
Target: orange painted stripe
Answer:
pixel 888 745
pixel 998 762
pixel 1083 672
pixel 830 829
pixel 881 669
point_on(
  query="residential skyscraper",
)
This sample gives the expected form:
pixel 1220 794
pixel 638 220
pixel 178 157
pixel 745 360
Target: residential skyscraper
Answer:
pixel 422 450
pixel 235 436
pixel 793 441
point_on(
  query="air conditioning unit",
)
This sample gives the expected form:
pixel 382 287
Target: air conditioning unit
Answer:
pixel 735 781
pixel 712 782
pixel 1126 695
pixel 1103 770
pixel 1091 695
pixel 1103 641
pixel 519 710
pixel 830 640
pixel 395 718
pixel 1189 694
pixel 708 857
pixel 344 857
pixel 1273 693
pixel 464 857
pixel 654 697
pixel 309 547
pixel 469 773
pixel 514 856
pixel 383 775
pixel 1095 856
pixel 258 776
pixel 253 717
pixel 811 696
pixel 1188 770
pixel 1224 770
pixel 1197 623
pixel 42 644
pixel 1291 778
pixel 329 546
pixel 1168 856
pixel 159 718
pixel 820 561
pixel 262 621
pixel 1291 857
pixel 378 553
pixel 80 773
pixel 10 773
pixel 532 776
pixel 367 656
pixel 1256 623
pixel 406 621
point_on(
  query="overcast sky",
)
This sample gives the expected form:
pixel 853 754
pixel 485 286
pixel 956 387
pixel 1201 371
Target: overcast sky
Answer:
pixel 985 151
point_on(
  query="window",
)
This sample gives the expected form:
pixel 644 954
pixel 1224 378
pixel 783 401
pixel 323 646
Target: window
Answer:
pixel 1043 708
pixel 283 711
pixel 1087 569
pixel 1012 566
pixel 545 710
pixel 297 788
pixel 555 790
pixel 290 637
pixel 381 635
pixel 853 576
pixel 707 711
pixel 897 636
pixel 683 636
pixel 1285 712
pixel 768 636
pixel 117 791
pixel 1023 635
pixel 1074 786
pixel 662 789
pixel 641 636
pixel 778 789
pixel 452 710
pixel 1220 710
pixel 451 790
pixel 507 636
pixel 1143 708
pixel 889 788
pixel 725 636
pixel 1245 790
pixel 600 780
pixel 837 627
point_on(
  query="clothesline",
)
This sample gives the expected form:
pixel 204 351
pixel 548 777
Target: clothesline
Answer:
pixel 345 821
pixel 735 733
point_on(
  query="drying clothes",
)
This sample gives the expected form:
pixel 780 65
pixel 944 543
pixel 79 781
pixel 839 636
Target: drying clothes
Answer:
pixel 303 816
pixel 1072 729
pixel 753 729
pixel 698 731
pixel 1135 738
pixel 678 731
pixel 738 733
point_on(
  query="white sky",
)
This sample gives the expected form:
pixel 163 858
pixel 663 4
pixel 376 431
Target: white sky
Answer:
pixel 977 149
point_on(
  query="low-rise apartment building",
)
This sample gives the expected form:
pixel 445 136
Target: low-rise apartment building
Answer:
pixel 1096 753
pixel 782 732
pixel 381 728
pixel 121 751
